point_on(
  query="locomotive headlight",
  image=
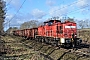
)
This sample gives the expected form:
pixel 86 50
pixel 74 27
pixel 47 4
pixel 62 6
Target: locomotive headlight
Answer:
pixel 68 41
pixel 62 40
pixel 75 35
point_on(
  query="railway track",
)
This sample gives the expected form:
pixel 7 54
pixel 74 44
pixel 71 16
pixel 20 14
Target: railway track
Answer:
pixel 50 52
pixel 80 52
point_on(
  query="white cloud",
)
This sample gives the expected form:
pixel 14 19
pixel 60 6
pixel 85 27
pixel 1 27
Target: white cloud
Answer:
pixel 83 3
pixel 58 11
pixel 83 6
pixel 17 20
pixel 9 16
pixel 50 2
pixel 7 1
pixel 15 3
pixel 20 21
pixel 36 13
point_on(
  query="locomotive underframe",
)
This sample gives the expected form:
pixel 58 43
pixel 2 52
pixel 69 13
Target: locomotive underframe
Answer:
pixel 69 42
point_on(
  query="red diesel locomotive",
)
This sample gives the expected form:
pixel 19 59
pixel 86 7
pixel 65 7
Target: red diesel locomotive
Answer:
pixel 53 32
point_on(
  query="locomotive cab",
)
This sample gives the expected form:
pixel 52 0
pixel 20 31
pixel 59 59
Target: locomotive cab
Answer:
pixel 69 35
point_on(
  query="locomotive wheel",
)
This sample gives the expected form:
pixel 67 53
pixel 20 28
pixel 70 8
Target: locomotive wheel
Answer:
pixel 67 45
pixel 42 40
pixel 56 43
pixel 74 47
pixel 37 39
pixel 46 41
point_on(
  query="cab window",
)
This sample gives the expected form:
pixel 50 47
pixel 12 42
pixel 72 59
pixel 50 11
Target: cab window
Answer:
pixel 59 29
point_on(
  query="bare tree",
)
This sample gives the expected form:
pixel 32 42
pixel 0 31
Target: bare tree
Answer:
pixel 2 14
pixel 84 32
pixel 30 24
pixel 81 24
pixel 84 24
pixel 87 23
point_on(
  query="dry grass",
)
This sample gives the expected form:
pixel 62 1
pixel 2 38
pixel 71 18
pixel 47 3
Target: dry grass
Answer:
pixel 20 50
pixel 84 34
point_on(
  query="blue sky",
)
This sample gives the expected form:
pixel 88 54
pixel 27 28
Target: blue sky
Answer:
pixel 41 10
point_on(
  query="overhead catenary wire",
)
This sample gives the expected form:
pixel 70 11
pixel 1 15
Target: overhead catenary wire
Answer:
pixel 70 12
pixel 76 10
pixel 68 5
pixel 9 2
pixel 16 12
pixel 76 2
pixel 55 10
